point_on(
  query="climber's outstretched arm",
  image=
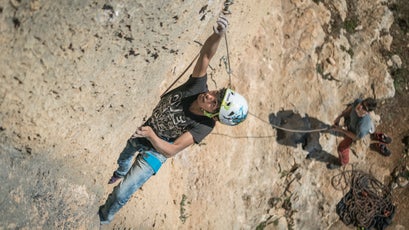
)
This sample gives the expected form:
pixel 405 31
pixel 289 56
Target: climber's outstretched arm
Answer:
pixel 210 47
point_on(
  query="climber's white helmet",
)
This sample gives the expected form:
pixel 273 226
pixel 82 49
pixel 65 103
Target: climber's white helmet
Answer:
pixel 233 109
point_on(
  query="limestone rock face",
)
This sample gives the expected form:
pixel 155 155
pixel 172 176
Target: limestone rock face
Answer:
pixel 78 77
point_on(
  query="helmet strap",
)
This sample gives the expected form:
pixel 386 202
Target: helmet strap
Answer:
pixel 209 115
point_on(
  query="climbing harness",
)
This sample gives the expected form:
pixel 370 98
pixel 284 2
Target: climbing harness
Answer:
pixel 367 204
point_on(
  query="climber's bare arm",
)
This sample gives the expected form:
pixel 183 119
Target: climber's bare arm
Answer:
pixel 210 47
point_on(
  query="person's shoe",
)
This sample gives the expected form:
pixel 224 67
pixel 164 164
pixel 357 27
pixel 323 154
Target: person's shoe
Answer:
pixel 333 166
pixel 381 137
pixel 380 148
pixel 102 220
pixel 114 178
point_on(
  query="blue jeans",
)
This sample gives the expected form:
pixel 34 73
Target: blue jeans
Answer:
pixel 135 175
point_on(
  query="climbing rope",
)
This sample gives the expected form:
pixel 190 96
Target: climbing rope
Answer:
pixel 177 79
pixel 367 204
pixel 229 71
pixel 228 68
pixel 226 60
pixel 226 11
pixel 291 130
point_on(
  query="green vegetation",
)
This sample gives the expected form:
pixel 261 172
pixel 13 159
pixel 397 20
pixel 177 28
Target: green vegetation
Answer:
pixel 264 224
pixel 349 51
pixel 183 216
pixel 319 69
pixel 400 77
pixel 406 174
pixel 350 25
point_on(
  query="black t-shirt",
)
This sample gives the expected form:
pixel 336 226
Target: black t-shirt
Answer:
pixel 171 116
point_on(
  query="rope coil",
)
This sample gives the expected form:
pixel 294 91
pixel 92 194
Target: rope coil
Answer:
pixel 367 204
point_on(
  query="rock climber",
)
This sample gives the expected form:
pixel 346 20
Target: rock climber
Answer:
pixel 358 124
pixel 183 116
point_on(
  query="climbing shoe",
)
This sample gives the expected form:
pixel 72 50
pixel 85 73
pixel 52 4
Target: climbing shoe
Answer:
pixel 380 148
pixel 114 178
pixel 102 220
pixel 381 137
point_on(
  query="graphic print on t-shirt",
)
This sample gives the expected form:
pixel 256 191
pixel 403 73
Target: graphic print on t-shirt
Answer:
pixel 168 118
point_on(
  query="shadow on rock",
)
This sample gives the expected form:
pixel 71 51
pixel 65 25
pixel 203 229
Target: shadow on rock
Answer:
pixel 292 130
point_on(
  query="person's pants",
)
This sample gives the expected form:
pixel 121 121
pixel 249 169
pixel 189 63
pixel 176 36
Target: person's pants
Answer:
pixel 343 150
pixel 135 175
